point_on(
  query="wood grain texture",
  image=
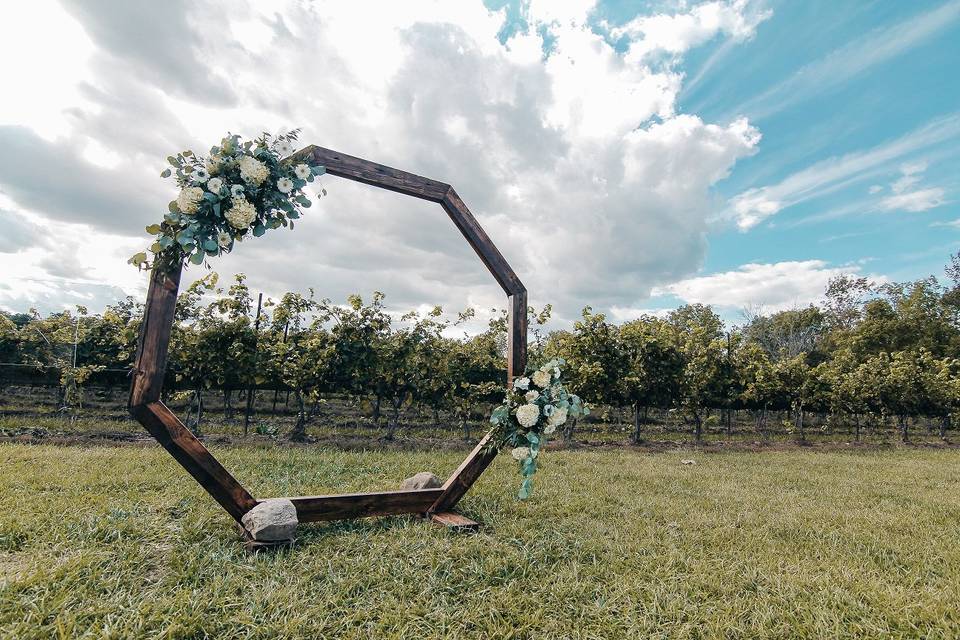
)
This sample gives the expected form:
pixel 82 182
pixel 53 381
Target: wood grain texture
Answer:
pixel 481 243
pixel 194 457
pixel 454 521
pixel 362 505
pixel 466 474
pixel 516 336
pixel 379 175
pixel 150 363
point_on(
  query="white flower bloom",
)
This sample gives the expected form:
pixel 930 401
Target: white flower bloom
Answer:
pixel 224 239
pixel 541 379
pixel 236 191
pixel 520 453
pixel 531 396
pixel 550 428
pixel 252 170
pixel 283 148
pixel 201 174
pixel 548 410
pixel 214 185
pixel 302 171
pixel 528 414
pixel 285 185
pixel 521 383
pixel 241 214
pixel 189 199
pixel 558 418
pixel 213 164
pixel 556 372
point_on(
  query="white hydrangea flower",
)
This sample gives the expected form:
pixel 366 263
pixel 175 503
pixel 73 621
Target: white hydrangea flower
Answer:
pixel 224 239
pixel 531 396
pixel 252 170
pixel 528 414
pixel 521 383
pixel 285 185
pixel 302 171
pixel 236 191
pixel 189 199
pixel 241 214
pixel 214 185
pixel 550 428
pixel 541 379
pixel 558 418
pixel 520 453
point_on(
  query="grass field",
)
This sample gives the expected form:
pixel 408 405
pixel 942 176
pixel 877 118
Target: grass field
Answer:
pixel 117 542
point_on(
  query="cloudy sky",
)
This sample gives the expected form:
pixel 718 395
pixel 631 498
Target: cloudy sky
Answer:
pixel 631 156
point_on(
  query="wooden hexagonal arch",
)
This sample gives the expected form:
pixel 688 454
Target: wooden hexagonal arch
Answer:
pixel 151 359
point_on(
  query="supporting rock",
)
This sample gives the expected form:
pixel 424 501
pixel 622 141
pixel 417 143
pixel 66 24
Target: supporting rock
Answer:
pixel 423 480
pixel 271 522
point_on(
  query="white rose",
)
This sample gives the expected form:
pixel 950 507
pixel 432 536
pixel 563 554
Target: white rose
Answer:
pixel 241 214
pixel 285 185
pixel 521 383
pixel 252 170
pixel 528 414
pixel 541 379
pixel 224 239
pixel 520 453
pixel 302 171
pixel 213 164
pixel 531 396
pixel 189 199
pixel 214 185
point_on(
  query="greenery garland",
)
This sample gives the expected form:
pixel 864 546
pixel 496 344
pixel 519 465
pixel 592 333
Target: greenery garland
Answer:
pixel 533 408
pixel 240 190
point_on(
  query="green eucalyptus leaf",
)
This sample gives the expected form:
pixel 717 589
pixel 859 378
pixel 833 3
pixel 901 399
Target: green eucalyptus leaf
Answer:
pixel 197 258
pixel 259 230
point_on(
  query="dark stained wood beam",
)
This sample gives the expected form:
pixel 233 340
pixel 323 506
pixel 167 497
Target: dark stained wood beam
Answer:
pixel 194 457
pixel 150 363
pixel 151 360
pixel 362 505
pixel 379 175
pixel 481 243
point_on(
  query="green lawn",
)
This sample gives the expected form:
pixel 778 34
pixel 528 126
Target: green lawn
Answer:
pixel 117 542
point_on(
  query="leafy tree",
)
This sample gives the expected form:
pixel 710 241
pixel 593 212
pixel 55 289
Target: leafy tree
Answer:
pixel 654 367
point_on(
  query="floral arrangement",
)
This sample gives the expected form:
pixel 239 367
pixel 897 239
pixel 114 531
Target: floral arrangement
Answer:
pixel 240 189
pixel 534 407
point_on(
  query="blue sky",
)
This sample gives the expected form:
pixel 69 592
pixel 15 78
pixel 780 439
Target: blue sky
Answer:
pixel 632 156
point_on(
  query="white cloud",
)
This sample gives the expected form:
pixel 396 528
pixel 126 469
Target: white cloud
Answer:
pixel 679 32
pixel 842 64
pixel 905 197
pixel 773 287
pixel 756 204
pixel 578 165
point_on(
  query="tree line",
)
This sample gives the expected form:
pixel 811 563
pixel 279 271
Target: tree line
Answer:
pixel 870 354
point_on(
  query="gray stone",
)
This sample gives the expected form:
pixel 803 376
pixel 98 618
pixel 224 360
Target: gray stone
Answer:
pixel 272 520
pixel 423 480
